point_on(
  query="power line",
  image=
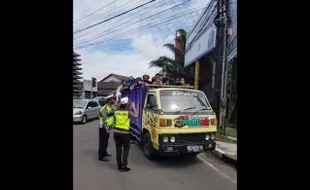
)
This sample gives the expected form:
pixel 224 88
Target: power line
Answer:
pixel 107 13
pixel 91 26
pixel 140 20
pixel 128 18
pixel 150 24
pixel 104 66
pixel 130 32
pixel 136 29
pixel 94 12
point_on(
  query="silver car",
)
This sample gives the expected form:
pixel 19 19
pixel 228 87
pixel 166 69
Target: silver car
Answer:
pixel 84 109
pixel 98 98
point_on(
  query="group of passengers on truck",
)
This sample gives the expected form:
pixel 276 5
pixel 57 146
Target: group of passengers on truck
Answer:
pixel 134 83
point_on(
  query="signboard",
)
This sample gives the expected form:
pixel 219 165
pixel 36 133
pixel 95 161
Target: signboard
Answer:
pixel 204 21
pixel 232 41
pixel 201 39
pixel 191 121
pixel 201 46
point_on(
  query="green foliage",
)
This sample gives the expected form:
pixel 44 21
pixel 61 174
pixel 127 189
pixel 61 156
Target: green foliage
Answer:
pixel 170 67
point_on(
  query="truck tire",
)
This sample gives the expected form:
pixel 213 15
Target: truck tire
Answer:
pixel 148 148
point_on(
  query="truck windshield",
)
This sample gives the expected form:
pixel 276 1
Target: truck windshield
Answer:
pixel 183 100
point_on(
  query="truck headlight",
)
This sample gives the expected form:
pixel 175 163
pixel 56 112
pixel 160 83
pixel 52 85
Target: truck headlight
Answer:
pixel 172 139
pixel 207 137
pixel 165 139
pixel 212 136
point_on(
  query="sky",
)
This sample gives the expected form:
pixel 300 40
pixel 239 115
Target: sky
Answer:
pixel 125 45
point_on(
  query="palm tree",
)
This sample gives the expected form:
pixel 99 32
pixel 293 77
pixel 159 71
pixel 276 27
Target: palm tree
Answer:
pixel 171 67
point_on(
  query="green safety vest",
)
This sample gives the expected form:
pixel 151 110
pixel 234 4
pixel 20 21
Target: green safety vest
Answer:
pixel 122 120
pixel 109 114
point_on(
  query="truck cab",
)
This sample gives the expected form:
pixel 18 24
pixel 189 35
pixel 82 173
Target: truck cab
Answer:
pixel 173 121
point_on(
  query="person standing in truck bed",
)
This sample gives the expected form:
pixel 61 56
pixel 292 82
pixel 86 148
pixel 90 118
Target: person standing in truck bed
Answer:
pixel 122 132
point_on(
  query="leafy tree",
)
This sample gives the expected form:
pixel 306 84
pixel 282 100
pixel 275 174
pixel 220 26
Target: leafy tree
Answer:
pixel 170 67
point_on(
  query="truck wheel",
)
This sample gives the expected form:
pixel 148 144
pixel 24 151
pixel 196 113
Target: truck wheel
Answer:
pixel 148 149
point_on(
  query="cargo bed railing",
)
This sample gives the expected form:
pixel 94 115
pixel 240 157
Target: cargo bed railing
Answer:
pixel 169 86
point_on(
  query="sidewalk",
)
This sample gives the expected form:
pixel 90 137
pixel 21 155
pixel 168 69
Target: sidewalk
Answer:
pixel 226 152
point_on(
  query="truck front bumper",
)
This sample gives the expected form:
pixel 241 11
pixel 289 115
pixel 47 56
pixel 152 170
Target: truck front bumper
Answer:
pixel 186 144
pixel 177 149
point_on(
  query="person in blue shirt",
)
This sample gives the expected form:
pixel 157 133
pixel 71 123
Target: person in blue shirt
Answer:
pixel 130 81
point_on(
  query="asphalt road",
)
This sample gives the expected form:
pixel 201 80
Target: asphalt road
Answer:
pixel 203 173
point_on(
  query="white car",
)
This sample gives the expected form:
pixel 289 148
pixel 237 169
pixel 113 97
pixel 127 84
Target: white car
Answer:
pixel 84 110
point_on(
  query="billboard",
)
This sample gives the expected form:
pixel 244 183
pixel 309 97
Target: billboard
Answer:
pixel 201 39
pixel 204 21
pixel 201 46
pixel 232 40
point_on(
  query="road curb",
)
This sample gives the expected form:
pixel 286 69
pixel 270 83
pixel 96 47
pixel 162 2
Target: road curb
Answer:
pixel 232 138
pixel 229 159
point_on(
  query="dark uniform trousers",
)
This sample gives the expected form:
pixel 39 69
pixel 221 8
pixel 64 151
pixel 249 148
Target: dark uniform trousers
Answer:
pixel 103 143
pixel 122 141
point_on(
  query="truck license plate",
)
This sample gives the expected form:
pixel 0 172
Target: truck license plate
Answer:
pixel 194 148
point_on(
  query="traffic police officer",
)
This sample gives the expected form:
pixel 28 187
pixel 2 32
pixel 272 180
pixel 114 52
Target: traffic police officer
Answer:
pixel 106 121
pixel 121 132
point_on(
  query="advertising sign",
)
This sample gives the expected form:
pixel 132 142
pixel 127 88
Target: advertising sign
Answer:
pixel 201 39
pixel 204 21
pixel 191 121
pixel 201 46
pixel 232 41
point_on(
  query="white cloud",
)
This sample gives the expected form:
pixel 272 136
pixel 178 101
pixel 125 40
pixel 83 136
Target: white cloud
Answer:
pixel 147 44
pixel 99 64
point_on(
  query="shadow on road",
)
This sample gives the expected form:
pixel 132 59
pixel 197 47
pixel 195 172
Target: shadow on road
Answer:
pixel 89 120
pixel 176 162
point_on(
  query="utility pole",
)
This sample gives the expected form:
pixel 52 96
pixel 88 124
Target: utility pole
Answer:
pixel 93 85
pixel 197 69
pixel 221 73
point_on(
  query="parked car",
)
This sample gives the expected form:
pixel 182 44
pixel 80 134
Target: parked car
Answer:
pixel 84 110
pixel 98 98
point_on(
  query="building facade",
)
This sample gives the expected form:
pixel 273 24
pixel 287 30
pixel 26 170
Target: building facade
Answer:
pixel 88 91
pixel 77 86
pixel 109 84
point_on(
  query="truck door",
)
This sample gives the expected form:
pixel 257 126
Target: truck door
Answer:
pixel 150 114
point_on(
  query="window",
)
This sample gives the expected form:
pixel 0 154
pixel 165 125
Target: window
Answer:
pixel 151 101
pixel 79 103
pixel 89 105
pixel 95 104
pixel 178 100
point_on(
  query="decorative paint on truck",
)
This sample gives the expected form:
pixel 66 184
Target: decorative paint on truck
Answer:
pixel 172 121
pixel 191 121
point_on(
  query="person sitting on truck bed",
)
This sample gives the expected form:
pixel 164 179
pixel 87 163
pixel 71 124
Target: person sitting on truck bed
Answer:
pixel 165 81
pixel 137 83
pixel 171 81
pixel 146 79
pixel 120 89
pixel 130 81
pixel 177 82
pixel 157 79
pixel 182 81
pixel 153 79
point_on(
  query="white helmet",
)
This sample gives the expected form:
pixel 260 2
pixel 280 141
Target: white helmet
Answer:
pixel 124 100
pixel 110 96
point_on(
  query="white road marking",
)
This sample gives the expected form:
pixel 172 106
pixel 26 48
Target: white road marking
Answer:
pixel 217 170
pixel 219 150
